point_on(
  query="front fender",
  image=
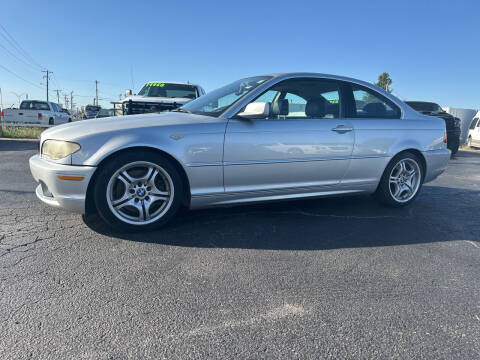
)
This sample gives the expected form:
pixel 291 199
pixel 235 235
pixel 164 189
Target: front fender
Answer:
pixel 185 148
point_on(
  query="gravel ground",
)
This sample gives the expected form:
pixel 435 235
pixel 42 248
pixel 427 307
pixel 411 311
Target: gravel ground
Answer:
pixel 330 278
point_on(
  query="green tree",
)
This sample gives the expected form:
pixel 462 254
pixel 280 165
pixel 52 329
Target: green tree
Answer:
pixel 384 82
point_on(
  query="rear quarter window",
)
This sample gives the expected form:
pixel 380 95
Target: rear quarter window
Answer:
pixel 34 105
pixel 369 104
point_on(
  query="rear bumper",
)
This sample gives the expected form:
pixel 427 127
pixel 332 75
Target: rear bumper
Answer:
pixel 67 194
pixel 436 161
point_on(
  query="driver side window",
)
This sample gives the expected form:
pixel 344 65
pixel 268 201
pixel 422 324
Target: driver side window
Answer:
pixel 303 98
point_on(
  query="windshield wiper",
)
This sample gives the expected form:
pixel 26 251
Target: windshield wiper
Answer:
pixel 182 110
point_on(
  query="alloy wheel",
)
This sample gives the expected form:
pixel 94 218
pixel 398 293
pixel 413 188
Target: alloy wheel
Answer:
pixel 405 180
pixel 140 193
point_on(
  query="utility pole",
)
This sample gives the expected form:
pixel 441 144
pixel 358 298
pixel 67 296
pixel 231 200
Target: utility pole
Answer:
pixel 47 76
pixel 71 101
pixel 65 106
pixel 96 92
pixel 58 96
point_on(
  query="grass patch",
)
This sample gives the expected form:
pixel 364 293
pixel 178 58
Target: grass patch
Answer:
pixel 19 132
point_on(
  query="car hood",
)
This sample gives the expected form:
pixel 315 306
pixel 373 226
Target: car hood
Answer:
pixel 108 126
pixel 156 99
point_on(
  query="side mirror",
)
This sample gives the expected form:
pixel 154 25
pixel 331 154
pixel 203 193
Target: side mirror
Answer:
pixel 256 110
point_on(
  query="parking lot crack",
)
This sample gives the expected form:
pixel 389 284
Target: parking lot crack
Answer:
pixel 472 243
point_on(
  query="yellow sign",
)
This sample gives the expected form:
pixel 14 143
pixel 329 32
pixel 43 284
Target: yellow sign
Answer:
pixel 156 84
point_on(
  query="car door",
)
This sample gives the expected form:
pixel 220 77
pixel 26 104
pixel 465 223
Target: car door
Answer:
pixel 303 146
pixel 378 125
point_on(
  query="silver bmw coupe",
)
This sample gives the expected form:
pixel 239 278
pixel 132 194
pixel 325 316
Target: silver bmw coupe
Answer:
pixel 261 138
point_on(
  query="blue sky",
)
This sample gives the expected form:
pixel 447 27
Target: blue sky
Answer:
pixel 430 48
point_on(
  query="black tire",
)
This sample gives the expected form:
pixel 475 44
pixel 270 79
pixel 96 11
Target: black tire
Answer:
pixel 51 121
pixel 454 147
pixel 69 120
pixel 384 192
pixel 469 142
pixel 109 171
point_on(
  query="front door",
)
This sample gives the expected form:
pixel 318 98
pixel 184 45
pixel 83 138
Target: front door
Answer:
pixel 303 146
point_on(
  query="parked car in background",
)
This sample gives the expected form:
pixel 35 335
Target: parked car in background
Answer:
pixel 105 113
pixel 452 123
pixel 473 137
pixel 91 111
pixel 260 138
pixel 36 112
pixel 160 96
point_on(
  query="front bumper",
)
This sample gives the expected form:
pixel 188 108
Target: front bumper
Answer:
pixel 67 194
pixel 436 162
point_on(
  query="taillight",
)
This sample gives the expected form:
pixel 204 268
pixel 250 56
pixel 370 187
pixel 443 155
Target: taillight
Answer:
pixel 40 116
pixel 1 115
pixel 445 137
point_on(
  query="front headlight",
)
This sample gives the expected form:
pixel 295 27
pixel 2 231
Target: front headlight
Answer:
pixel 57 149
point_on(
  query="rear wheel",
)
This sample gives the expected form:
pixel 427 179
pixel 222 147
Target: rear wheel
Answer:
pixel 469 142
pixel 138 191
pixel 401 181
pixel 51 121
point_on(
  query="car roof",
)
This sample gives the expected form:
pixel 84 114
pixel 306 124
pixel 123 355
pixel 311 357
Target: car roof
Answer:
pixel 323 75
pixel 421 102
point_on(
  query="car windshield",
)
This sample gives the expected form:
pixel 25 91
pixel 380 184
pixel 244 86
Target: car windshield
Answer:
pixel 157 89
pixel 425 106
pixel 92 108
pixel 219 100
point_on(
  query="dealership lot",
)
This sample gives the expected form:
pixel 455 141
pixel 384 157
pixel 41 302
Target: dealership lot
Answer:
pixel 341 278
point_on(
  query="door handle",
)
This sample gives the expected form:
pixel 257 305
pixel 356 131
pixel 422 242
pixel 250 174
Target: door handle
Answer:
pixel 341 129
pixel 20 113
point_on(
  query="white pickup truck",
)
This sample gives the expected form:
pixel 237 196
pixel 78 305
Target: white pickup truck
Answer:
pixel 159 96
pixel 36 112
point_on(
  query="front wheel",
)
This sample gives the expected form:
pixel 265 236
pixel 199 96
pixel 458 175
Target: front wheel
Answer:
pixel 139 190
pixel 401 181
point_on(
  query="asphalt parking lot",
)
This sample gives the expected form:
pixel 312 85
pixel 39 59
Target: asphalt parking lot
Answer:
pixel 329 278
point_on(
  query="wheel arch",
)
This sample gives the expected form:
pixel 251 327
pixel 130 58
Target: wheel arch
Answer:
pixel 90 201
pixel 416 152
pixel 407 150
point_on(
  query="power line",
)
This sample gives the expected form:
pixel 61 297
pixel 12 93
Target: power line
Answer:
pixel 19 49
pixel 21 78
pixel 17 58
